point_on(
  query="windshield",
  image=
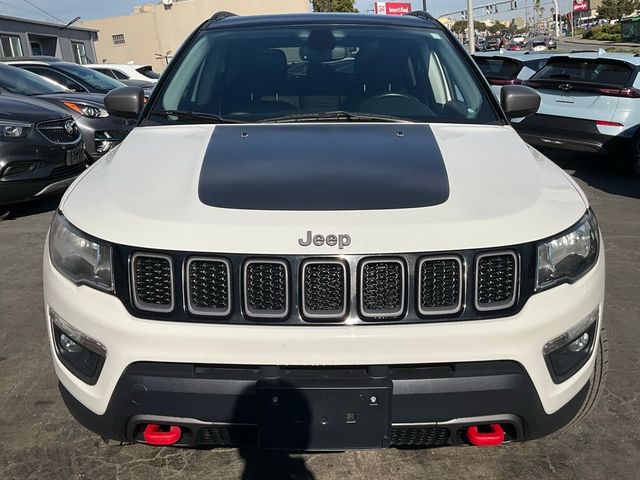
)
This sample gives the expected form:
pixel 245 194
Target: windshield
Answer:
pixel 255 74
pixel 97 81
pixel 601 72
pixel 148 72
pixel 22 82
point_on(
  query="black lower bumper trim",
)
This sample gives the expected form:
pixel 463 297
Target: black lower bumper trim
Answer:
pixel 430 405
pixel 564 133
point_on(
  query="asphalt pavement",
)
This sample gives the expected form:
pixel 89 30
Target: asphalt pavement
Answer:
pixel 40 440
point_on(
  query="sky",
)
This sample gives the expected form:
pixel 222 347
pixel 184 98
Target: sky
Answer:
pixel 65 10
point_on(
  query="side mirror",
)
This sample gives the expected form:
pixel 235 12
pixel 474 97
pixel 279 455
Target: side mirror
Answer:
pixel 519 101
pixel 125 102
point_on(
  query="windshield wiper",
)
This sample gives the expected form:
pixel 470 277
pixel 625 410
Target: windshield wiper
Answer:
pixel 200 116
pixel 335 115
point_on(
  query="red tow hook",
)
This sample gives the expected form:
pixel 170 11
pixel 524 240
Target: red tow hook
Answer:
pixel 153 435
pixel 486 439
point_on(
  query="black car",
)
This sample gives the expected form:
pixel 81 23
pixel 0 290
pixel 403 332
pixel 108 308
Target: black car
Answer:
pixel 40 149
pixel 72 76
pixel 100 131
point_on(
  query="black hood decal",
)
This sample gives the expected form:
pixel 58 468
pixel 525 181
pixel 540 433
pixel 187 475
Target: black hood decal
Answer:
pixel 323 167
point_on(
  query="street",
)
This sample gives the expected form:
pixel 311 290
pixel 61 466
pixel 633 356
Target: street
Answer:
pixel 39 439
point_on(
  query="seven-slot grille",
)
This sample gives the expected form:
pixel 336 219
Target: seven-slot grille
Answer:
pixel 56 130
pixel 324 289
pixel 440 285
pixel 266 289
pixel 208 286
pixel 152 282
pixel 496 280
pixel 382 288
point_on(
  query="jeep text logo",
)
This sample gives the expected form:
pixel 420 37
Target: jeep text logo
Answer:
pixel 342 240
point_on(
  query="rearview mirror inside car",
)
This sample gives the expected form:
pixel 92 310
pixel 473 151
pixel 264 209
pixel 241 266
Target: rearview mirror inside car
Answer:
pixel 519 101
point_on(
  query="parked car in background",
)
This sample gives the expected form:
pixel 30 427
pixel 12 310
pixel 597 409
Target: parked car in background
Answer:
pixel 100 131
pixel 481 45
pixel 518 39
pixel 40 149
pixel 126 71
pixel 551 43
pixel 72 76
pixel 515 47
pixel 535 46
pixel 590 103
pixel 510 68
pixel 494 42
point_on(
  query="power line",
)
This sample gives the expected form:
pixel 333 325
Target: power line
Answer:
pixel 43 11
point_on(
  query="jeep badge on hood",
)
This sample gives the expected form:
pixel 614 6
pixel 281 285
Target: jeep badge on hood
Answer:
pixel 342 240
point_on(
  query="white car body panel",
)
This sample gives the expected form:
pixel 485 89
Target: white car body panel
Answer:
pixel 489 204
pixel 128 69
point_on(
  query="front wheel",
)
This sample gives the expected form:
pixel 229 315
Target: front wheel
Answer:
pixel 598 379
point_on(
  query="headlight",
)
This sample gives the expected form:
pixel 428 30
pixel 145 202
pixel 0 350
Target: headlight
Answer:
pixel 570 255
pixel 87 110
pixel 82 260
pixel 10 129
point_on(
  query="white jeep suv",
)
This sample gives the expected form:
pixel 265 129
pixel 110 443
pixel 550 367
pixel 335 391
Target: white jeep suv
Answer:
pixel 324 234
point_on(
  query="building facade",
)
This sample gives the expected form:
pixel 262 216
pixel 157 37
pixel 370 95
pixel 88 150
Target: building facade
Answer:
pixel 22 37
pixel 153 32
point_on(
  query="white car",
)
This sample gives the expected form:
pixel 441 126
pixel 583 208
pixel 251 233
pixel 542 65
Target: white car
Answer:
pixel 519 39
pixel 293 256
pixel 126 71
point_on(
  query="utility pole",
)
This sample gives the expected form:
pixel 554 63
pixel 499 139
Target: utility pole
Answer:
pixel 471 27
pixel 424 5
pixel 555 5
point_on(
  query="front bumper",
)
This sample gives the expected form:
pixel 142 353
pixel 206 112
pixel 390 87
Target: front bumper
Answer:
pixel 97 130
pixel 572 134
pixel 45 171
pixel 160 359
pixel 430 405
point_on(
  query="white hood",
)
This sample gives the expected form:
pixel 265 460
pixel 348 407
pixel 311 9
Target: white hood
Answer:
pixel 146 193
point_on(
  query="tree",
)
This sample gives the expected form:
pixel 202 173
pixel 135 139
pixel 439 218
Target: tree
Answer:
pixel 460 26
pixel 616 9
pixel 538 8
pixel 334 6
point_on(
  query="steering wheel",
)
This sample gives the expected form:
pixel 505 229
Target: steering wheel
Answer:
pixel 397 104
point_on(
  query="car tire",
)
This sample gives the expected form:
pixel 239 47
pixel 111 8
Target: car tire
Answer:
pixel 598 379
pixel 628 160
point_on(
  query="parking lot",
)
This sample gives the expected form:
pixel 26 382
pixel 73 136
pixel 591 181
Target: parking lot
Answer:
pixel 39 439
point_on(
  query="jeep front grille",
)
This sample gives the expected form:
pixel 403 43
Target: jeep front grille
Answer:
pixel 440 285
pixel 324 289
pixel 208 286
pixel 382 288
pixel 345 289
pixel 266 289
pixel 496 280
pixel 152 282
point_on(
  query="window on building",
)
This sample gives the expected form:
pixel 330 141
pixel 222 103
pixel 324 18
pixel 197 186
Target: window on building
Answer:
pixel 118 39
pixel 11 46
pixel 79 53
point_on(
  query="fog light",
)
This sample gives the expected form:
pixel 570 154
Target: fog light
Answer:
pixel 566 354
pixel 69 345
pixel 79 353
pixel 104 142
pixel 580 343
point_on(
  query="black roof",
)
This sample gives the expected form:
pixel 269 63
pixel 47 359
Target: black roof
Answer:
pixel 416 19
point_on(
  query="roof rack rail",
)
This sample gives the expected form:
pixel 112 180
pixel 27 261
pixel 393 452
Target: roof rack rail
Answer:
pixel 216 17
pixel 421 14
